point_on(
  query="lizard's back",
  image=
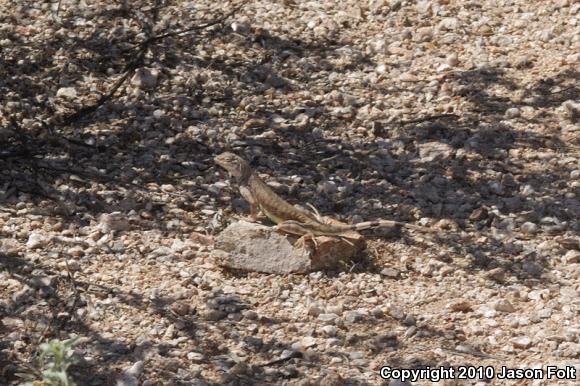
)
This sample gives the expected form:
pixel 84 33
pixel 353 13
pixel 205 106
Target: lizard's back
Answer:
pixel 274 206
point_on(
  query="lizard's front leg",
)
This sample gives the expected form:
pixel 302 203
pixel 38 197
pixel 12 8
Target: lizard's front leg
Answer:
pixel 249 196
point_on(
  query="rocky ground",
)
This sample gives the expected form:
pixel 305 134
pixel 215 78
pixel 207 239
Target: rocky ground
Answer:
pixel 455 114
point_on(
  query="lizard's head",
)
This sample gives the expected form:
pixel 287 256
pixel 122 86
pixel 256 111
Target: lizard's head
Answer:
pixel 234 164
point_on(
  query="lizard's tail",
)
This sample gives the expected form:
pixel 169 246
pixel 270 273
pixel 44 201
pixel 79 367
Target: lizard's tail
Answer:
pixel 387 223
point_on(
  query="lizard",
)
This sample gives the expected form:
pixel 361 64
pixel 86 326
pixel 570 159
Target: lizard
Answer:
pixel 289 218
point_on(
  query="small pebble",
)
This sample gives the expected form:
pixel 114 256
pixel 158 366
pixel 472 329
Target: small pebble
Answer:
pixel 529 228
pixel 512 112
pixel 503 306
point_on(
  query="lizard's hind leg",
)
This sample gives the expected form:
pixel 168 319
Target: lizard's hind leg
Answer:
pixel 346 240
pixel 302 242
pixel 298 229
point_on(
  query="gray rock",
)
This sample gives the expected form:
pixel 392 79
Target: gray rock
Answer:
pixel 254 247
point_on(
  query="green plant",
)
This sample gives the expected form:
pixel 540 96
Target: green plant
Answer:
pixel 55 358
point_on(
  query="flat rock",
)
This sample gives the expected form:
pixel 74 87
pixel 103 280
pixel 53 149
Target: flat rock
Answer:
pixel 255 247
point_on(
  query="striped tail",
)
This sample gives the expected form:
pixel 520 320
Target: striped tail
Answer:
pixel 323 229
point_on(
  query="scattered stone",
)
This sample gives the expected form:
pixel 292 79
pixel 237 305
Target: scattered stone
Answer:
pixel 130 376
pixel 327 187
pixel 449 23
pixel 529 228
pixel 241 26
pixel 431 151
pixel 408 77
pixel 461 306
pixel 181 308
pixel 452 59
pixel 307 342
pixel 67 93
pixel 521 342
pixel 354 316
pixel 195 356
pixel 512 112
pixel 503 305
pixel 314 310
pixel 479 214
pixel 572 257
pixel 497 274
pixel 424 34
pixel 144 78
pixel 36 240
pixel 115 221
pixel 392 273
pixel 532 268
pixel 76 251
pixel 215 315
pixel 329 330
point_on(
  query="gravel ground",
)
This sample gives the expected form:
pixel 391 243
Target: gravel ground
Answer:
pixel 461 115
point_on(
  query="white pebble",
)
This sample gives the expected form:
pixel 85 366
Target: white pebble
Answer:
pixel 512 112
pixel 67 92
pixel 529 227
pixel 35 240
